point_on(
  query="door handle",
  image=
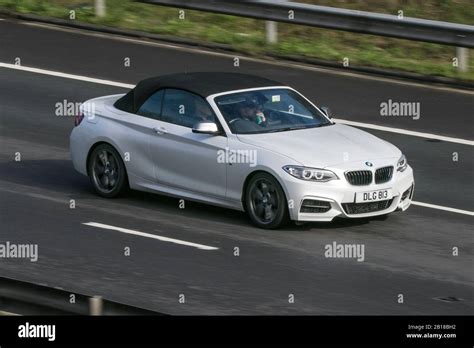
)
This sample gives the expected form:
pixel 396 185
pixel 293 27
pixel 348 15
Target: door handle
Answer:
pixel 160 130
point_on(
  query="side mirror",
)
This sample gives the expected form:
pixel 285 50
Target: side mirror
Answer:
pixel 326 111
pixel 206 127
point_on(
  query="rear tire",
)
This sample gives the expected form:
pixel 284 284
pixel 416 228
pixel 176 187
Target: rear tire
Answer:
pixel 265 202
pixel 107 171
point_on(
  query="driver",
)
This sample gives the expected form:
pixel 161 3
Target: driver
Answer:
pixel 251 111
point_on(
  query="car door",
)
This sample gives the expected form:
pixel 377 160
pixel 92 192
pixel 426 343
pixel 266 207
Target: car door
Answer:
pixel 185 160
pixel 131 133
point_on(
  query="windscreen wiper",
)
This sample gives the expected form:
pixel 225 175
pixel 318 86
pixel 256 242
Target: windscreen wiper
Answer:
pixel 286 129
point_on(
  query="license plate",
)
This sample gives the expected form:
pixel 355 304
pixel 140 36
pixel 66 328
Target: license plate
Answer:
pixel 373 196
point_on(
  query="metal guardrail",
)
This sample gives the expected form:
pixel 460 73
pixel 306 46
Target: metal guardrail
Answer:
pixel 446 33
pixel 32 299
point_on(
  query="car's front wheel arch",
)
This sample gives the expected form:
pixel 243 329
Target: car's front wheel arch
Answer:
pixel 284 218
pixel 251 175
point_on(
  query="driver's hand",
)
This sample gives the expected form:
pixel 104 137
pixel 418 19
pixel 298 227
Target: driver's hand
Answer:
pixel 260 118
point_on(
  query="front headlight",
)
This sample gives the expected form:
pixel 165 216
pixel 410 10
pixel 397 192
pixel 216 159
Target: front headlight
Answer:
pixel 310 174
pixel 402 164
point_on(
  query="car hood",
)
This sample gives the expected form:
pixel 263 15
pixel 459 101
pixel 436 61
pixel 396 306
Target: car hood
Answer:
pixel 324 146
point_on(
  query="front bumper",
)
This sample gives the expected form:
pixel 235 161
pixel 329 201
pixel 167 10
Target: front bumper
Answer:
pixel 339 197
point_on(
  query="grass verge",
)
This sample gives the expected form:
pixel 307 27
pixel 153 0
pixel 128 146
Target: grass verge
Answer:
pixel 248 35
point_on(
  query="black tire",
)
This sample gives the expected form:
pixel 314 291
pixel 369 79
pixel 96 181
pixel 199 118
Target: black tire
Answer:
pixel 107 171
pixel 265 202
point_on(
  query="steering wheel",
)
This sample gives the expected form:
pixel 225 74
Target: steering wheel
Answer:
pixel 271 113
pixel 234 120
pixel 238 119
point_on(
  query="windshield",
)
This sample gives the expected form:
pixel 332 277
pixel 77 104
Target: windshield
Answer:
pixel 268 110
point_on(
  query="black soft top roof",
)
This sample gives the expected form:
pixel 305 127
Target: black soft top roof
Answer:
pixel 201 83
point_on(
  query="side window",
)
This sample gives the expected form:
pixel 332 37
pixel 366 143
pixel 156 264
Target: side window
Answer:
pixel 185 108
pixel 152 106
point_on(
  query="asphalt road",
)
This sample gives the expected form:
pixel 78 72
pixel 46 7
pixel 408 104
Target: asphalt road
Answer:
pixel 407 253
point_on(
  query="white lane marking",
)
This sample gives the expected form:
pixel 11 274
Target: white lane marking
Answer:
pixel 406 132
pixel 67 76
pixel 440 207
pixel 148 235
pixel 351 123
pixel 271 61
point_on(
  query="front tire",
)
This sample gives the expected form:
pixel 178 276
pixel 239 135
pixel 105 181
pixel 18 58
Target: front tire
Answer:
pixel 265 202
pixel 107 171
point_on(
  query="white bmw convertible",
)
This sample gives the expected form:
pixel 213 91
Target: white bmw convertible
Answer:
pixel 241 142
